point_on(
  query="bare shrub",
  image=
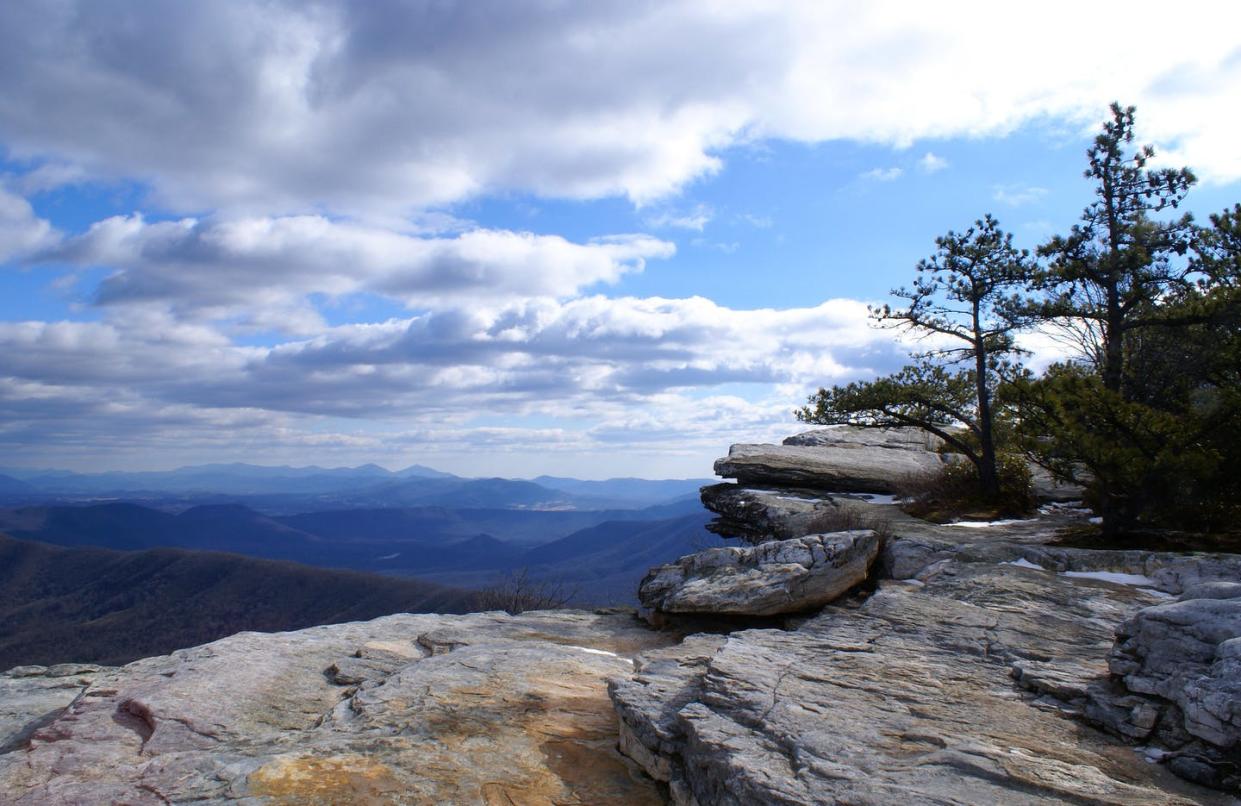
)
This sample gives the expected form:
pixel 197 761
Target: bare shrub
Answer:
pixel 517 592
pixel 954 491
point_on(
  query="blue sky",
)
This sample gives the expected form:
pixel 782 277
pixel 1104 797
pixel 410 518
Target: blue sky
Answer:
pixel 520 238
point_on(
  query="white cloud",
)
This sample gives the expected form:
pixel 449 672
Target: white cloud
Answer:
pixel 595 365
pixel 1018 195
pixel 252 268
pixel 279 107
pixel 22 232
pixel 884 174
pixel 694 219
pixel 932 163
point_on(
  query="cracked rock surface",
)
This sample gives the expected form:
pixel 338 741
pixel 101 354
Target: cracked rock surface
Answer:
pixel 408 709
pixel 784 576
pixel 907 698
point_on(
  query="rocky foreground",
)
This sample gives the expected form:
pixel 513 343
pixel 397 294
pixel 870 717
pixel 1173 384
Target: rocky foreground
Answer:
pixel 844 653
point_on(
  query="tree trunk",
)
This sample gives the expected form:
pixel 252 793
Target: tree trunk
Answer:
pixel 988 476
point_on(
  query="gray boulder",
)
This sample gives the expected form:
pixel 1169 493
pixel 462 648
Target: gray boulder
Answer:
pixel 32 696
pixel 758 515
pixel 782 576
pixel 1187 653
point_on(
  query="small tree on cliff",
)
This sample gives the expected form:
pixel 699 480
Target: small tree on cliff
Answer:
pixel 964 298
pixel 1123 283
pixel 1106 277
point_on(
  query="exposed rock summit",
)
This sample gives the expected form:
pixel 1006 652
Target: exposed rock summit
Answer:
pixel 985 667
pixel 411 709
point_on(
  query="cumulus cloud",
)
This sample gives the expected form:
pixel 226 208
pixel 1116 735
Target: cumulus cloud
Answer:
pixel 278 107
pixel 21 231
pixel 932 163
pixel 606 365
pixel 239 267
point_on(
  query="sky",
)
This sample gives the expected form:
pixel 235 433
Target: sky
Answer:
pixel 513 238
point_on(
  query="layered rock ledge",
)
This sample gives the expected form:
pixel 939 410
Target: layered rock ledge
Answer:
pixel 907 698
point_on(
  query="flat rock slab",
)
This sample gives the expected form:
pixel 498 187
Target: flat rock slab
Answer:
pixel 484 708
pixel 783 576
pixel 32 696
pixel 848 467
pixel 908 698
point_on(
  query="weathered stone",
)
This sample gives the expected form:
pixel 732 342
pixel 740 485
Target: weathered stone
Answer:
pixel 32 696
pixel 907 698
pixel 847 466
pixel 514 710
pixel 1188 653
pixel 758 515
pixel 848 436
pixel 664 681
pixel 783 576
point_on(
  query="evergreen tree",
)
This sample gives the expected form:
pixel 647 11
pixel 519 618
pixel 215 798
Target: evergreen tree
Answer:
pixel 964 297
pixel 1105 277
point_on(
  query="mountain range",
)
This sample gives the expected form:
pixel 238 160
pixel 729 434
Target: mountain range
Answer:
pixel 103 606
pixel 285 490
pixel 108 567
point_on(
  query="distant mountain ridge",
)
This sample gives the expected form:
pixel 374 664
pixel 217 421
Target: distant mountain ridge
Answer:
pixel 603 552
pixel 89 604
pixel 300 489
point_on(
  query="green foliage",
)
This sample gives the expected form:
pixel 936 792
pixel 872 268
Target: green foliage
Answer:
pixel 1148 417
pixel 1104 279
pixel 924 395
pixel 1143 466
pixel 963 296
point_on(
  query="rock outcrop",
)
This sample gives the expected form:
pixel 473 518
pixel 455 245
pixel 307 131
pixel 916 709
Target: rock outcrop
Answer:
pixel 843 459
pixel 851 459
pixel 783 576
pixel 907 698
pixel 485 708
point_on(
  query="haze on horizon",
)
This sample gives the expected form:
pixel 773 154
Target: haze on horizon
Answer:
pixel 514 238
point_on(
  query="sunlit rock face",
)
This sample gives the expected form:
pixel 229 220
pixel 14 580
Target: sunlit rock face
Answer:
pixel 914 696
pixel 485 708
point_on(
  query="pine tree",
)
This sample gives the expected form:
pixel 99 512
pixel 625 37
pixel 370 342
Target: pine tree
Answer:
pixel 1106 276
pixel 964 298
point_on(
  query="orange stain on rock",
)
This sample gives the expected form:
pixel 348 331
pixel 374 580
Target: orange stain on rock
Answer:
pixel 333 780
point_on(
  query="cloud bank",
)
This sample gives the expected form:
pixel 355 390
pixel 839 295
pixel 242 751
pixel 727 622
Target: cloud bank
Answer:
pixel 294 156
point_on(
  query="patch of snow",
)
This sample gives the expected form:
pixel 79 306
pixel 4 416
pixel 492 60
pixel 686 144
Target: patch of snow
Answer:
pixel 1024 563
pixel 1096 519
pixel 879 499
pixel 1111 576
pixel 598 652
pixel 987 524
pixel 799 499
pixel 1153 755
pixel 1063 508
